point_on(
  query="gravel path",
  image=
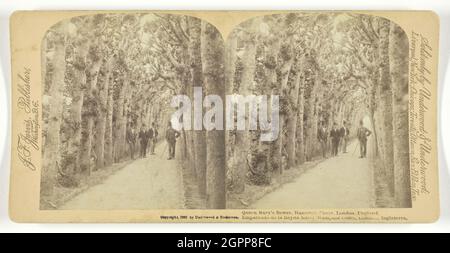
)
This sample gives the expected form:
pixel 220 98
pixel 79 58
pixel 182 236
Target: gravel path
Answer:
pixel 148 183
pixel 344 181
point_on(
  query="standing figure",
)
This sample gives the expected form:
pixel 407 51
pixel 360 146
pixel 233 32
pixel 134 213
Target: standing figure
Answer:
pixel 144 141
pixel 131 139
pixel 171 138
pixel 154 139
pixel 335 135
pixel 362 135
pixel 322 137
pixel 344 135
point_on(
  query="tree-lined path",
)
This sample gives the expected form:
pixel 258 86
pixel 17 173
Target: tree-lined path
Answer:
pixel 108 79
pixel 110 76
pixel 328 69
pixel 344 181
pixel 147 183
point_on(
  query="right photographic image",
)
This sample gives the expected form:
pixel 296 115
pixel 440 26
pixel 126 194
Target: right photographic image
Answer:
pixel 342 81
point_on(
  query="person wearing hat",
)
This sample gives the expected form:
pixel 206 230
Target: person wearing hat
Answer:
pixel 335 135
pixel 344 135
pixel 362 135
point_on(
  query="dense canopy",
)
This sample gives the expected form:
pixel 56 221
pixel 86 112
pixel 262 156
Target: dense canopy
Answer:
pixel 107 73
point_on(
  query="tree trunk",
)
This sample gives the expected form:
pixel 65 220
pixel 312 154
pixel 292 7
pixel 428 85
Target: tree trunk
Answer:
pixel 109 144
pixel 102 114
pixel 89 111
pixel 126 118
pixel 212 48
pixel 120 121
pixel 270 75
pixel 181 148
pixel 293 117
pixel 197 81
pixel 312 120
pixel 230 137
pixel 386 100
pixel 72 157
pixel 285 69
pixel 373 113
pixel 398 53
pixel 320 89
pixel 230 67
pixel 300 150
pixel 51 155
pixel 243 142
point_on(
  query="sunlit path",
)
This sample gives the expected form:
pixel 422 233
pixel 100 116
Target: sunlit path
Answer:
pixel 344 181
pixel 148 183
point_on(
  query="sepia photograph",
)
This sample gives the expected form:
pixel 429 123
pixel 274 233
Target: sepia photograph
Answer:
pixel 342 79
pixel 302 110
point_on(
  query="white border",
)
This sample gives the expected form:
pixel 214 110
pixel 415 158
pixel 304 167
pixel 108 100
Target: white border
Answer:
pixel 439 6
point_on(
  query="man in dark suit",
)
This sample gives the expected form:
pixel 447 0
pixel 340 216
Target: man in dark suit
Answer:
pixel 345 136
pixel 143 137
pixel 131 139
pixel 335 135
pixel 171 138
pixel 322 137
pixel 362 135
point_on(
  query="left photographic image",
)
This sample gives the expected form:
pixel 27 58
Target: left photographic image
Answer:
pixel 108 143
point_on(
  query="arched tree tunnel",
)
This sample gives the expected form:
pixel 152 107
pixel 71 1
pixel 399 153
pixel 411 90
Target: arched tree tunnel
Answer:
pixel 110 76
pixel 329 69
